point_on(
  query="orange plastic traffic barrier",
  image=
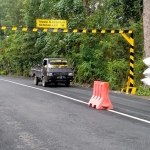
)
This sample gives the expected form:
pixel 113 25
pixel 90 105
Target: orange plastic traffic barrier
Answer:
pixel 95 95
pixel 100 98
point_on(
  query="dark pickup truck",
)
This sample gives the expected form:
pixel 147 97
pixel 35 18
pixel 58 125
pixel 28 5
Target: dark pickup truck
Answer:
pixel 53 70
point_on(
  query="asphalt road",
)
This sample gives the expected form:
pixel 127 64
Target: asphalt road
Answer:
pixel 58 118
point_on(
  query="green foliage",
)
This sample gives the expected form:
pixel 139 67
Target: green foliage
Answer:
pixel 84 73
pixel 118 71
pixel 11 12
pixel 3 72
pixel 137 27
pixel 139 68
pixel 143 91
pixel 132 10
pixel 72 11
pixel 31 12
pixel 102 57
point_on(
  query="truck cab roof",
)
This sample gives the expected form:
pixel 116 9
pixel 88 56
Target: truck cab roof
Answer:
pixel 55 58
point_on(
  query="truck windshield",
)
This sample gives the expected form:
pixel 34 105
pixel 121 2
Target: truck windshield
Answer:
pixel 58 63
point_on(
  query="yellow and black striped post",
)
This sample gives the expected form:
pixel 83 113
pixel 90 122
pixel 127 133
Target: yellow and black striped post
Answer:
pixel 130 83
pixel 130 39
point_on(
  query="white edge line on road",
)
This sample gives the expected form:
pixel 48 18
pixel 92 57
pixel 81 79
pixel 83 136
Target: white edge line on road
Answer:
pixel 116 112
pixel 46 91
pixel 129 116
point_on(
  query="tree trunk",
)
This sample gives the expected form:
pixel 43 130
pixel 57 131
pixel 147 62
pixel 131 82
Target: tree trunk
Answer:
pixel 85 4
pixel 146 26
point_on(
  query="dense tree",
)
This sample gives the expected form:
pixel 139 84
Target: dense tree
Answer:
pixel 93 56
pixel 11 12
pixel 133 9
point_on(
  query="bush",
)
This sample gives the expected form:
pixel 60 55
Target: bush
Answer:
pixel 143 91
pixel 3 72
pixel 118 71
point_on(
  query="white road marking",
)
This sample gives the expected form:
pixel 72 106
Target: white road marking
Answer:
pixel 116 112
pixel 46 91
pixel 129 116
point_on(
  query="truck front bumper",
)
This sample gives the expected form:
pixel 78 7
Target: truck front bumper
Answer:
pixel 52 79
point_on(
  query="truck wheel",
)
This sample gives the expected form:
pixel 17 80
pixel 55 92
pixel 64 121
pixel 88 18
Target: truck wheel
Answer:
pixel 35 80
pixel 43 82
pixel 67 84
pixel 56 84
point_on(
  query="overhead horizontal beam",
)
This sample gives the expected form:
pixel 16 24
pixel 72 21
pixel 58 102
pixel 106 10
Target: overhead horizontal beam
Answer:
pixel 64 30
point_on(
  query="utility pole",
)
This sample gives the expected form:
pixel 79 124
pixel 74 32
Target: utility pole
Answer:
pixel 146 25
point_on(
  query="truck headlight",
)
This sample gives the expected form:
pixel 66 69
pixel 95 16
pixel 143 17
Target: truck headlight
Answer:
pixel 70 74
pixel 49 74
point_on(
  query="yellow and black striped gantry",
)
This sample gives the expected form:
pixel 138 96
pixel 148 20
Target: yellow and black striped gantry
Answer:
pixel 127 34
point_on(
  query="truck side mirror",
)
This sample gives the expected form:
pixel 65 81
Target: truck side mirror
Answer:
pixel 45 66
